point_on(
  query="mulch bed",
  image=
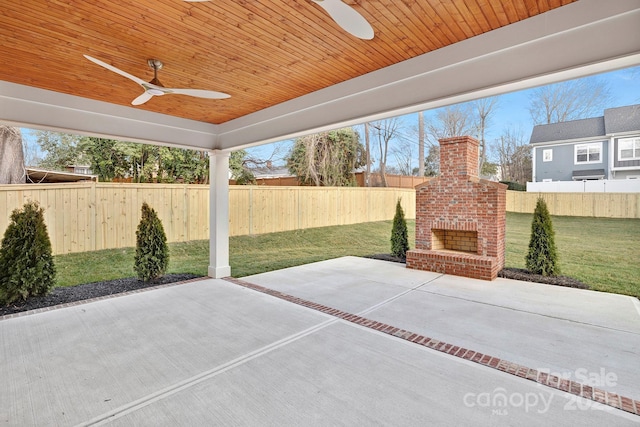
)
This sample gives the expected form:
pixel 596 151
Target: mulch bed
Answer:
pixel 69 294
pixel 511 273
pixel 99 289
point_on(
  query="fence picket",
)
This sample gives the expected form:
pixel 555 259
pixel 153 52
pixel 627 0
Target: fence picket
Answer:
pixel 93 216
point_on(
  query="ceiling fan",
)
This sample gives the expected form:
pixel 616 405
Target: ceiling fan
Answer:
pixel 154 87
pixel 344 15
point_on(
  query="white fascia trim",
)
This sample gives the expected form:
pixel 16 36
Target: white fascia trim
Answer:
pixel 579 39
pixel 626 168
pixel 35 108
pixel 624 135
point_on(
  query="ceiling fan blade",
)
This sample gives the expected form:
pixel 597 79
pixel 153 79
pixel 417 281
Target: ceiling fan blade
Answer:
pixel 199 93
pixel 348 18
pixel 142 98
pixel 115 70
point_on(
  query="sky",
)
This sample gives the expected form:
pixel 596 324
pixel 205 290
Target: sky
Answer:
pixel 512 111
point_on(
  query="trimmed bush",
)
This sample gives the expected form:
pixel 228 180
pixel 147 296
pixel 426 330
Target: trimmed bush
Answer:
pixel 152 251
pixel 26 262
pixel 514 186
pixel 399 234
pixel 542 257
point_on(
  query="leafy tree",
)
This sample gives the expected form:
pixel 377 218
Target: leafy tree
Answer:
pixel 183 165
pixel 432 162
pixel 239 170
pixel 399 234
pixel 152 251
pixel 489 169
pixel 327 158
pixel 61 149
pixel 542 257
pixel 26 262
pixel 111 159
pixel 107 160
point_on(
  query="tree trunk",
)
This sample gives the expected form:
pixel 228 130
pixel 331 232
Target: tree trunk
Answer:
pixel 420 143
pixel 12 169
pixel 367 176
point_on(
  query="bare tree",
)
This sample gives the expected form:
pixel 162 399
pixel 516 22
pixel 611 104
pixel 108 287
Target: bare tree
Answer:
pixel 12 169
pixel 514 156
pixel 454 120
pixel 327 158
pixel 570 100
pixel 484 108
pixel 385 131
pixel 403 154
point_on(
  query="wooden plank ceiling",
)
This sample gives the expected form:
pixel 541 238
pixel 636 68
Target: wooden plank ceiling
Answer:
pixel 262 52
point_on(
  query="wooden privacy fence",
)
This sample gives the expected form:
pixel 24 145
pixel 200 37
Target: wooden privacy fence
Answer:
pixel 605 205
pixel 393 181
pixel 89 216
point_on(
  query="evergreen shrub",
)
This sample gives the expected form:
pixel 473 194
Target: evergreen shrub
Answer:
pixel 399 234
pixel 26 263
pixel 542 257
pixel 152 251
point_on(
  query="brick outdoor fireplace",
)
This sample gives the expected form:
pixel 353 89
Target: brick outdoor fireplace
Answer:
pixel 460 218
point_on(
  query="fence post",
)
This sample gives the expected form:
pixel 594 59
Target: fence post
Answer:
pixel 93 215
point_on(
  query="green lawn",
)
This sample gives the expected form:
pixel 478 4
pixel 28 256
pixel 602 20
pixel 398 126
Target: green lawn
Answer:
pixel 604 253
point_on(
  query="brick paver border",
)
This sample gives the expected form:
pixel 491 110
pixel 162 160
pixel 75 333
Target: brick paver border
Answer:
pixel 573 387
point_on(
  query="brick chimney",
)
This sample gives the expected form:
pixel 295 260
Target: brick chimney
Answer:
pixel 460 219
pixel 458 157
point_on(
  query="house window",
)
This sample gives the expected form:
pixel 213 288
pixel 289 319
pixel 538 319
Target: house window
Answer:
pixel 588 153
pixel 629 149
pixel 547 155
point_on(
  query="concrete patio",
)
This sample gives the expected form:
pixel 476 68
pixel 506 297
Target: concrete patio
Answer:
pixel 328 343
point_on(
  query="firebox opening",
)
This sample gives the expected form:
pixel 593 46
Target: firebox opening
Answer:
pixel 454 240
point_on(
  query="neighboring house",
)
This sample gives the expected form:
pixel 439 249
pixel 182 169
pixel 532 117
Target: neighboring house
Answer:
pixel 598 148
pixel 79 169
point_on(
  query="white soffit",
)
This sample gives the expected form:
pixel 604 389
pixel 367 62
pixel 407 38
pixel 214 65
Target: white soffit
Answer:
pixel 586 37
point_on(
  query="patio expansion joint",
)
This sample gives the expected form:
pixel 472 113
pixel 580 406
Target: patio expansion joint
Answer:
pixel 428 291
pixel 561 384
pixel 173 389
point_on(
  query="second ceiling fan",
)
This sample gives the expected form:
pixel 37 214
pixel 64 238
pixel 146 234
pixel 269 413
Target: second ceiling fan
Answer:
pixel 344 15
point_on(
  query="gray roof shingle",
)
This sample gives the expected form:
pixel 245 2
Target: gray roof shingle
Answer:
pixel 573 129
pixel 622 119
pixel 615 120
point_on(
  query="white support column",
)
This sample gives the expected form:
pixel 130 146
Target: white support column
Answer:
pixel 219 214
